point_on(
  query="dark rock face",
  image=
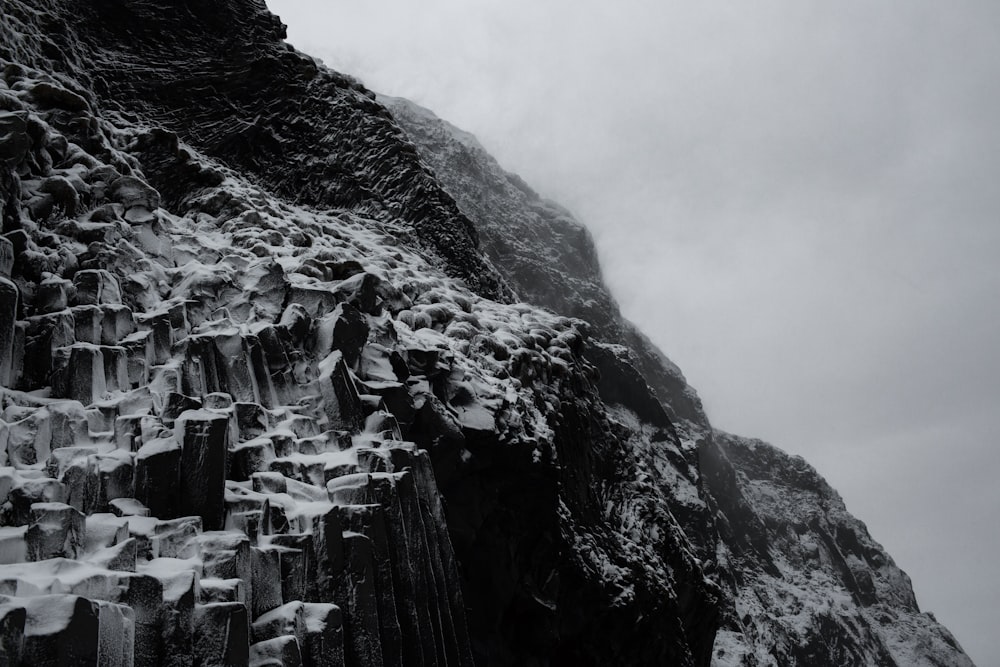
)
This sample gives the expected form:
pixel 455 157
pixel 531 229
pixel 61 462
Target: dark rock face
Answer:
pixel 309 134
pixel 802 581
pixel 263 400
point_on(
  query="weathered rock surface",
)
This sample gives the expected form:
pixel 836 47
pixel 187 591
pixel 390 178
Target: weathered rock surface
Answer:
pixel 264 400
pixel 803 582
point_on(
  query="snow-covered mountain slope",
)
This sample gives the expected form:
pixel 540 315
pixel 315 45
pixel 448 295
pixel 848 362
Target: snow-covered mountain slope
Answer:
pixel 805 583
pixel 824 592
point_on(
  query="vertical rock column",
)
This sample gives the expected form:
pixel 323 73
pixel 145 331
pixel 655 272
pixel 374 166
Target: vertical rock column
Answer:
pixel 340 396
pixel 8 316
pixel 204 443
pixel 423 504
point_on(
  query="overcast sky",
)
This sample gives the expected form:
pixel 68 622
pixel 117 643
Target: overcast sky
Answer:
pixel 799 201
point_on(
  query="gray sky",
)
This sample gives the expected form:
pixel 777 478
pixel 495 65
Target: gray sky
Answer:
pixel 797 200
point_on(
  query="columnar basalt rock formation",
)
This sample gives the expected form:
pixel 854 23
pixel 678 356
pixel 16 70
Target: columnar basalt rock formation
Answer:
pixel 265 400
pixel 803 581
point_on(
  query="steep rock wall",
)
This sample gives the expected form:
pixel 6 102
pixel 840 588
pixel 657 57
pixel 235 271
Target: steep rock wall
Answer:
pixel 263 399
pixel 804 582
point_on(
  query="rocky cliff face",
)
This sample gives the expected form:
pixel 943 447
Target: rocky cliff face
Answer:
pixel 267 398
pixel 803 581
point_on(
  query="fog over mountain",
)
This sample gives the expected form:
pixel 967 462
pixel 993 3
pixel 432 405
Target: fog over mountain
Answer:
pixel 796 201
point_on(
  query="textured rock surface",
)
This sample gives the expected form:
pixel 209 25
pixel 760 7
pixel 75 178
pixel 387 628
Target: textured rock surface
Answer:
pixel 266 401
pixel 803 581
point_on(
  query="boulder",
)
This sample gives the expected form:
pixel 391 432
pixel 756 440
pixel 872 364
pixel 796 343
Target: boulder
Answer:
pixel 116 643
pixel 288 619
pixel 249 458
pixel 137 198
pixel 361 291
pixel 369 520
pixel 127 507
pixel 227 555
pixel 344 329
pixel 52 295
pixel 266 579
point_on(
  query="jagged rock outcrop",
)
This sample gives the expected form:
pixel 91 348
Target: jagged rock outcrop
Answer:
pixel 804 582
pixel 264 399
pixel 817 589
